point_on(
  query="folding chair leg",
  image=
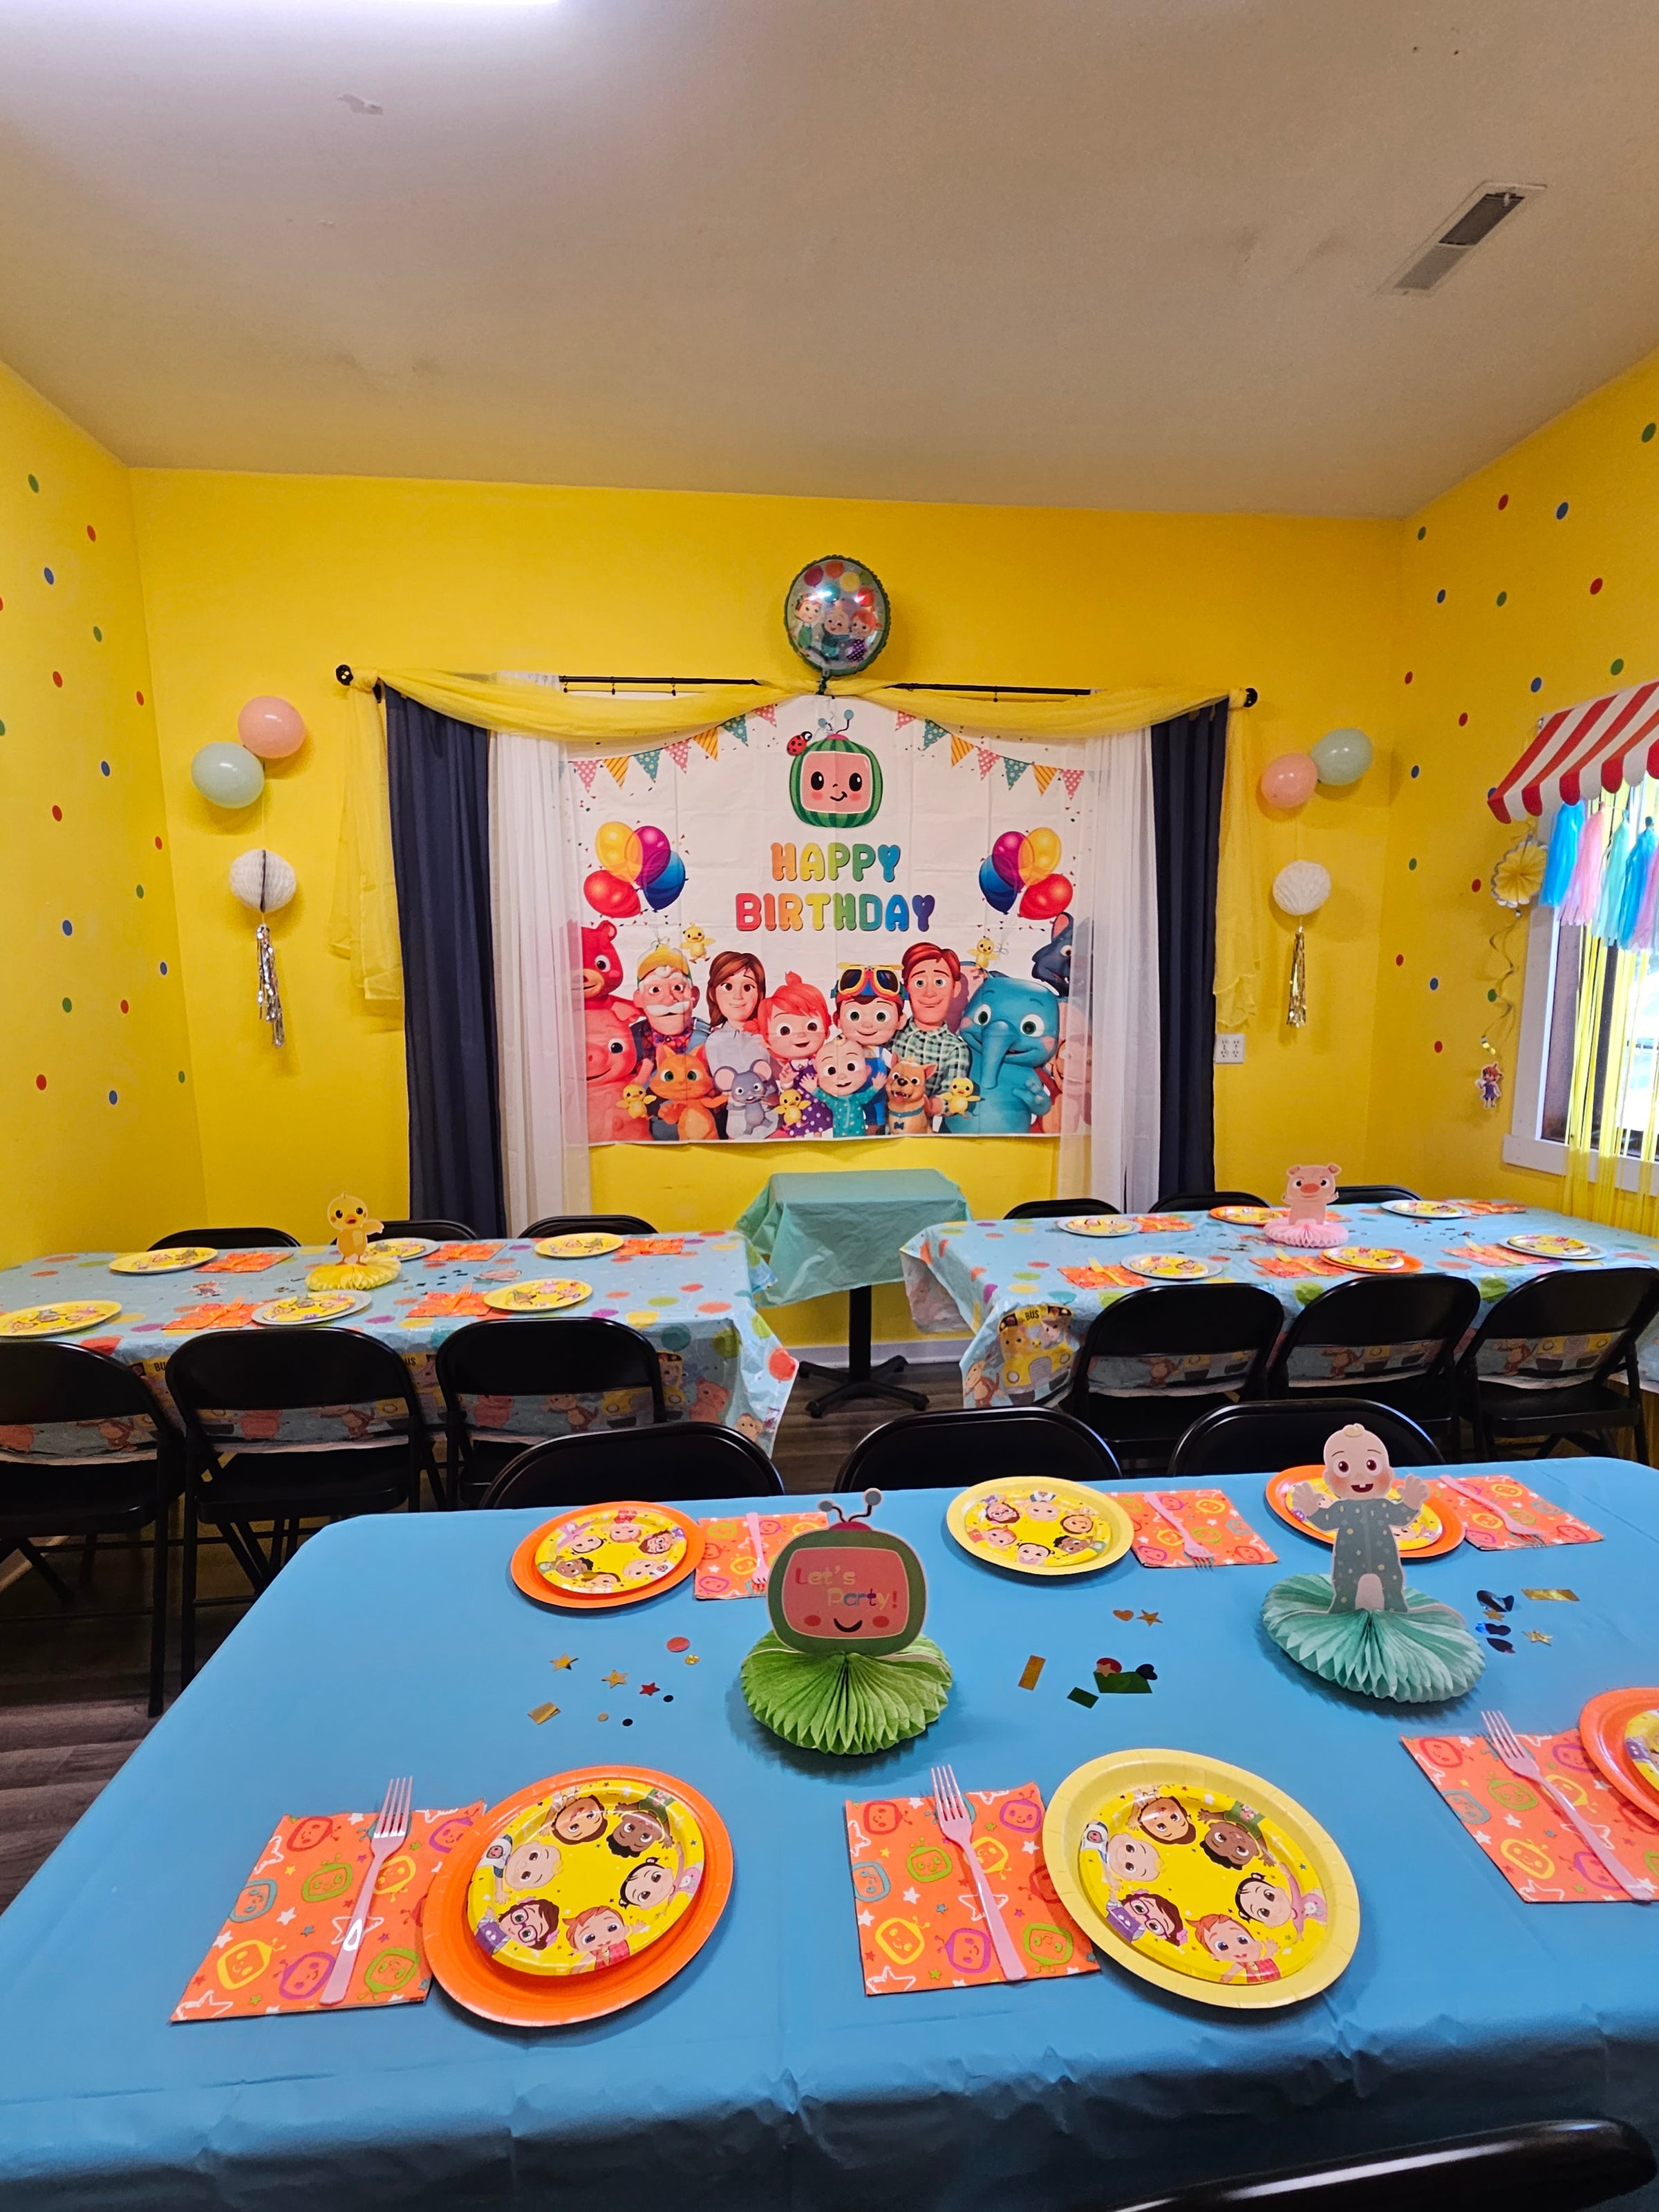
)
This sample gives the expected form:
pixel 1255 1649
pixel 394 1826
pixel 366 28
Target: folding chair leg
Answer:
pixel 158 1609
pixel 187 1595
pixel 88 1556
pixel 48 1575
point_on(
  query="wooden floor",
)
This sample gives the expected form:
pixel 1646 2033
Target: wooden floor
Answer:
pixel 73 1688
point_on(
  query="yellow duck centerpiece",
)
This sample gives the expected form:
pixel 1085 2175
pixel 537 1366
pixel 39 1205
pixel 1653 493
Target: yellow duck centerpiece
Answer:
pixel 355 1269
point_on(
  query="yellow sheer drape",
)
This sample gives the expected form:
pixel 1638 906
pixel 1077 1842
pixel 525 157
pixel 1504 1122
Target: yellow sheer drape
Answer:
pixel 363 923
pixel 1604 1095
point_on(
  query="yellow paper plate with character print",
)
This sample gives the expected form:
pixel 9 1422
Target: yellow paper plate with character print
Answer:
pixel 1099 1225
pixel 1545 1246
pixel 547 1296
pixel 60 1320
pixel 1040 1525
pixel 307 1306
pixel 1174 1267
pixel 1201 1878
pixel 586 1877
pixel 401 1247
pixel 596 1556
pixel 167 1260
pixel 580 1244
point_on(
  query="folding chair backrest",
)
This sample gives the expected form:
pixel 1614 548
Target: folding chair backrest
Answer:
pixel 77 1405
pixel 575 1225
pixel 1391 1328
pixel 1055 1209
pixel 1201 1201
pixel 218 1381
pixel 955 1448
pixel 677 1459
pixel 1197 1337
pixel 1561 1330
pixel 1262 1437
pixel 440 1232
pixel 1370 1193
pixel 533 1376
pixel 231 1240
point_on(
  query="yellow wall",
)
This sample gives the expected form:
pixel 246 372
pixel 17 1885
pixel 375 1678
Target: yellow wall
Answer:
pixel 98 1142
pixel 262 584
pixel 1579 615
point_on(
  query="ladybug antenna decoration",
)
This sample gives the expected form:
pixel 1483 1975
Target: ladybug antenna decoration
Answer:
pixel 871 1500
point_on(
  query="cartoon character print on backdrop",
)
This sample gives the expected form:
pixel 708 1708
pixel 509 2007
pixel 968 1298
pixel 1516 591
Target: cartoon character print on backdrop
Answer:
pixel 834 922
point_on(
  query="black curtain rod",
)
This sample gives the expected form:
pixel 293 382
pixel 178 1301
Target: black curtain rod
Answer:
pixel 672 684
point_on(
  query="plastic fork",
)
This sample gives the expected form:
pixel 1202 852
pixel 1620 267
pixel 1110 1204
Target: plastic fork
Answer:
pixel 956 1823
pixel 1477 1497
pixel 390 1831
pixel 1200 1554
pixel 759 1573
pixel 1519 1760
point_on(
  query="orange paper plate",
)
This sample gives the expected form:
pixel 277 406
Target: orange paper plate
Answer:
pixel 1451 1525
pixel 516 2000
pixel 1601 1728
pixel 536 1586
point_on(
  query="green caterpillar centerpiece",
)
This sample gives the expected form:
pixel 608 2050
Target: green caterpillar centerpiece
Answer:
pixel 845 1667
pixel 1360 1627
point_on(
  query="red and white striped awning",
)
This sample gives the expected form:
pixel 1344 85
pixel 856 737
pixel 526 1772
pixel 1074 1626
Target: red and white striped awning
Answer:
pixel 1605 743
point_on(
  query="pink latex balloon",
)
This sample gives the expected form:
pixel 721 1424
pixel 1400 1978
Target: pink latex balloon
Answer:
pixel 271 728
pixel 1289 781
pixel 1050 896
pixel 654 849
pixel 1004 855
pixel 609 894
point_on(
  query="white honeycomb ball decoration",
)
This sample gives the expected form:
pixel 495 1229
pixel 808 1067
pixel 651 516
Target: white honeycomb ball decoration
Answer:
pixel 1302 887
pixel 263 880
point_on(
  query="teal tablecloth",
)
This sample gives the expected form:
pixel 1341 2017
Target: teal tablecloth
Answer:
pixel 979 1275
pixel 762 2077
pixel 843 1230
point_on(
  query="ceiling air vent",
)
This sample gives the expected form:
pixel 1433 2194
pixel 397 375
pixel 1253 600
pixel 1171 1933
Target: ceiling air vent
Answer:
pixel 1432 264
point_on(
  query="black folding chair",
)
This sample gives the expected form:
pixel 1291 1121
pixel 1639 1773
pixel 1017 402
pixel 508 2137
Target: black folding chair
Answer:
pixel 1052 1209
pixel 232 1481
pixel 1541 1362
pixel 953 1449
pixel 121 1489
pixel 574 1225
pixel 1154 1360
pixel 1371 1193
pixel 1543 2166
pixel 681 1459
pixel 483 1370
pixel 1271 1434
pixel 232 1240
pixel 1201 1201
pixel 440 1232
pixel 1393 1337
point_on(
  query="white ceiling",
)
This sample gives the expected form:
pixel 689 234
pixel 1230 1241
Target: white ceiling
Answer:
pixel 1100 252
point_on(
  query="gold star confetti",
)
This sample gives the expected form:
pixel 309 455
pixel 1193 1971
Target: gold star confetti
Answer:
pixel 1152 1619
pixel 564 1659
pixel 605 1716
pixel 540 1713
pixel 614 1678
pixel 691 1658
pixel 1537 1636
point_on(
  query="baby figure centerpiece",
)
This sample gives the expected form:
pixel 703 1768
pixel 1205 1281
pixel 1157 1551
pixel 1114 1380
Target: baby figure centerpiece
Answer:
pixel 1307 1192
pixel 845 1667
pixel 1360 1627
pixel 356 1269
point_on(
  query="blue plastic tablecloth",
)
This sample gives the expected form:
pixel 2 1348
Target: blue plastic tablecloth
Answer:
pixel 841 1229
pixel 763 2075
pixel 973 1274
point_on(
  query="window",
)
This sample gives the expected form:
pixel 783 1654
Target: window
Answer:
pixel 1627 1037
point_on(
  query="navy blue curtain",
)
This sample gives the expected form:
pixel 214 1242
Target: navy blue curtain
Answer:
pixel 438 772
pixel 1189 759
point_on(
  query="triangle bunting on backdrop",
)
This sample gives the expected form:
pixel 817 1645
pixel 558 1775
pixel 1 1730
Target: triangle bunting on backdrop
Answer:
pixel 903 721
pixel 738 727
pixel 1071 777
pixel 618 766
pixel 585 770
pixel 987 760
pixel 680 751
pixel 768 714
pixel 931 731
pixel 1044 776
pixel 1013 770
pixel 650 761
pixel 960 749
pixel 710 741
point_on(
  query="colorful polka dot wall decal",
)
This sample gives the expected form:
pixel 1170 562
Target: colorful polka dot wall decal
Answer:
pixel 1647 430
pixel 1595 585
pixel 139 697
pixel 1440 597
pixel 57 813
pixel 1409 676
pixel 58 678
pixel 181 1075
pixel 1561 511
pixel 1475 885
pixel 68 929
pixel 1537 684
pixel 34 484
pixel 92 533
pixel 140 889
pixel 1422 531
pixel 1416 772
pixel 158 844
pixel 97 633
pixel 113 1097
pixel 47 574
pixel 103 767
pixel 1492 998
pixel 164 967
pixel 1438 1046
pixel 1503 598
pixel 125 1008
pixel 39 1080
pixel 1411 864
pixel 1462 721
pixel 1502 501
pixel 1614 668
pixel 1434 983
pixel 69 1005
pixel 1399 959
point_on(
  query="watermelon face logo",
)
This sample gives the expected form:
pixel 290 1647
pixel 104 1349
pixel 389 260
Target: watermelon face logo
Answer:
pixel 835 783
pixel 847 1588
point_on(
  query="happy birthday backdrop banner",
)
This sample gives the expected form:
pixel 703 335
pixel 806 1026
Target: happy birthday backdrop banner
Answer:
pixel 749 895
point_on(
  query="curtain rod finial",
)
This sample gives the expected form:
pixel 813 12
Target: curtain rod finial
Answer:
pixel 1251 695
pixel 343 674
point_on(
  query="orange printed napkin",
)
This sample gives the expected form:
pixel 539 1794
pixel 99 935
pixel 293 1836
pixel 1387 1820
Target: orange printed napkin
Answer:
pixel 1551 1524
pixel 728 1550
pixel 1541 1856
pixel 446 1255
pixel 235 1314
pixel 1096 1278
pixel 1488 1256
pixel 919 1920
pixel 241 1263
pixel 1208 1516
pixel 276 1949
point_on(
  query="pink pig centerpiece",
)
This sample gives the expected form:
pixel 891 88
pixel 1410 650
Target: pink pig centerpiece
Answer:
pixel 1307 1192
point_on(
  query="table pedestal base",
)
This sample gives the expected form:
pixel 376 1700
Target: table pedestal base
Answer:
pixel 858 1379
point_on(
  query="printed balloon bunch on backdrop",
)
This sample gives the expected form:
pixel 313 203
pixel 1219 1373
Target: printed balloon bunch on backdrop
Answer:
pixel 636 867
pixel 1022 865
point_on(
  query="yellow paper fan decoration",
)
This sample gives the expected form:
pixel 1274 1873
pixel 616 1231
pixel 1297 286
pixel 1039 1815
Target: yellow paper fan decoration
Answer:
pixel 1517 877
pixel 353 1275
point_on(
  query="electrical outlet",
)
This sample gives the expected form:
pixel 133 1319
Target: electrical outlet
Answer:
pixel 1229 1048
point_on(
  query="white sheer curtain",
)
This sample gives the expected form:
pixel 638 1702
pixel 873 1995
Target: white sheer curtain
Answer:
pixel 535 900
pixel 1108 1144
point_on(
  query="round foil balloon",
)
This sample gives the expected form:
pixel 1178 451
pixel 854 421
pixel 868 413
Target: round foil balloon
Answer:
pixel 230 775
pixel 271 728
pixel 835 613
pixel 1341 756
pixel 1302 887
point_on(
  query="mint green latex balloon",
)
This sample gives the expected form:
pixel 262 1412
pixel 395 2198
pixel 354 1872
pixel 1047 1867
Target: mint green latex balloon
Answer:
pixel 1341 756
pixel 228 775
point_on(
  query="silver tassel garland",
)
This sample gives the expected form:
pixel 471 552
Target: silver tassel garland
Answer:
pixel 269 995
pixel 1295 1013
